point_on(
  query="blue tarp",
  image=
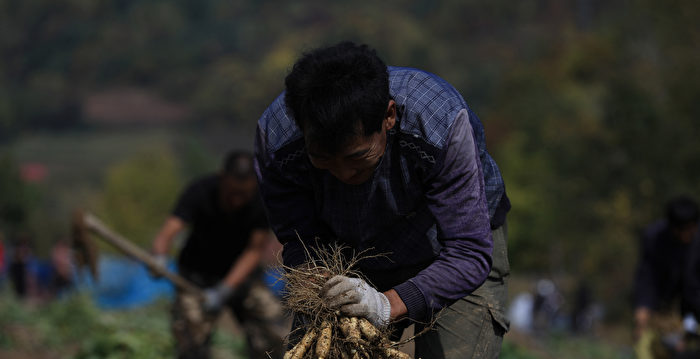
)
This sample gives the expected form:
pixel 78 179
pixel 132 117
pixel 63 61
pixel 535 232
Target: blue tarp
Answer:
pixel 125 283
pixel 273 279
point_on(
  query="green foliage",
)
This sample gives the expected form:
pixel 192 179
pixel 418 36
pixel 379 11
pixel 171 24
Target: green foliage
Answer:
pixel 561 346
pixel 75 324
pixel 124 345
pixel 591 148
pixel 511 351
pixel 138 194
pixel 53 326
pixel 72 327
pixel 195 160
pixel 585 348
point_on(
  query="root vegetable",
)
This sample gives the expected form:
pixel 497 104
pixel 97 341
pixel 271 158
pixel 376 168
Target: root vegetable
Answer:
pixel 323 344
pixel 392 353
pixel 300 349
pixel 329 334
pixel 349 327
pixel 345 325
pixel 368 330
pixel 364 353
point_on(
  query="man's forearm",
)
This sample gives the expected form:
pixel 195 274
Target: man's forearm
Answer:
pixel 242 268
pixel 161 244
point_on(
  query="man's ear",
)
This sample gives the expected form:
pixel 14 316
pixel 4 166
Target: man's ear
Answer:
pixel 390 118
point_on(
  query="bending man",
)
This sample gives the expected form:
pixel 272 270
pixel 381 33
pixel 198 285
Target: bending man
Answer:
pixel 228 235
pixel 390 159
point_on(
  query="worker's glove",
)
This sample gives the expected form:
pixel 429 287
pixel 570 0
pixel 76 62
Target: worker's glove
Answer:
pixel 162 261
pixel 690 325
pixel 355 298
pixel 215 297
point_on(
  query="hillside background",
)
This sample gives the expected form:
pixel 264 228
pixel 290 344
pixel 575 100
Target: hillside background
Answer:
pixel 590 109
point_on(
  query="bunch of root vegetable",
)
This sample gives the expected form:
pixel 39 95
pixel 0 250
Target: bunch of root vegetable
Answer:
pixel 358 339
pixel 327 333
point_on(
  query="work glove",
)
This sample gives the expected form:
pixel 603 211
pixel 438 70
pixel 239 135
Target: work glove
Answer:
pixel 162 261
pixel 355 298
pixel 690 325
pixel 215 297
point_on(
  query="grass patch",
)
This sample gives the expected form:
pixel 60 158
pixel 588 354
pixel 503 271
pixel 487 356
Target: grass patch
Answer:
pixel 73 327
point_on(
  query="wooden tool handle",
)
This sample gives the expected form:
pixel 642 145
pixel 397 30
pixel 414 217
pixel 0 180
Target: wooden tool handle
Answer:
pixel 94 224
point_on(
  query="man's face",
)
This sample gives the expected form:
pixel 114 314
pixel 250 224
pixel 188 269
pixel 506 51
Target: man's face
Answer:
pixel 236 193
pixel 686 233
pixel 356 162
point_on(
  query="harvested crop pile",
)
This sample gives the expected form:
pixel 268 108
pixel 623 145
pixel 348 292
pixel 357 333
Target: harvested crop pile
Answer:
pixel 328 334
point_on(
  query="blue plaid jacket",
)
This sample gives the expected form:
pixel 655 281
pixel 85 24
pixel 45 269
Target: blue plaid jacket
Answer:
pixel 428 204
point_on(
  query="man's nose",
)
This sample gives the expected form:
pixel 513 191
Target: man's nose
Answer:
pixel 342 173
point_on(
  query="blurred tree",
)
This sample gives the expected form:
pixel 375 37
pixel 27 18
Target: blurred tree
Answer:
pixel 138 194
pixel 195 159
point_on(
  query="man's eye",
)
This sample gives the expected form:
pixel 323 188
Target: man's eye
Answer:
pixel 361 156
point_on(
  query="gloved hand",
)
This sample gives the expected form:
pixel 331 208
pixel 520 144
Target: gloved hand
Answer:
pixel 354 297
pixel 215 297
pixel 690 324
pixel 162 261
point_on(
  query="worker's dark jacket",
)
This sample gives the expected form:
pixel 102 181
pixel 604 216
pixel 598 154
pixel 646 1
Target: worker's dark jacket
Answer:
pixel 663 276
pixel 692 290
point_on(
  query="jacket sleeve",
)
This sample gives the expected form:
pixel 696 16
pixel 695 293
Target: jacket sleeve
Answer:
pixel 456 198
pixel 692 287
pixel 644 282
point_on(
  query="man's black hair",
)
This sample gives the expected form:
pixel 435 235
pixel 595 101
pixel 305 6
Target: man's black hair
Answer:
pixel 337 93
pixel 682 211
pixel 238 165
